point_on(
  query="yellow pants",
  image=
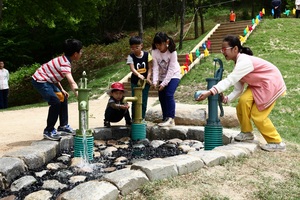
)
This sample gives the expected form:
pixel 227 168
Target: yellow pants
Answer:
pixel 247 109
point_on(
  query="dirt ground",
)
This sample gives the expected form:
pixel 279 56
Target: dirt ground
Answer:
pixel 20 128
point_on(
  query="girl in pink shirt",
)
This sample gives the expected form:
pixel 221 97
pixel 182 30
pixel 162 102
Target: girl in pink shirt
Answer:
pixel 166 75
pixel 264 84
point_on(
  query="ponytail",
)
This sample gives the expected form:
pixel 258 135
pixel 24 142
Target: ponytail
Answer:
pixel 161 37
pixel 246 50
pixel 235 41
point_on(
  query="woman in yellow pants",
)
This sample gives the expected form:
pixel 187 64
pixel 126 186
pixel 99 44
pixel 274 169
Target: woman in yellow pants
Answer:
pixel 265 85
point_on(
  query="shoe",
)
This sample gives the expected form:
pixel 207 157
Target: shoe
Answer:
pixel 274 147
pixel 244 136
pixel 51 135
pixel 128 123
pixel 107 124
pixel 66 128
pixel 169 122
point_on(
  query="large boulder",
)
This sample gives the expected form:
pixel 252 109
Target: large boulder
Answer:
pixel 195 115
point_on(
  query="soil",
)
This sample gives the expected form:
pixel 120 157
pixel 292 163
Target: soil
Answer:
pixel 19 128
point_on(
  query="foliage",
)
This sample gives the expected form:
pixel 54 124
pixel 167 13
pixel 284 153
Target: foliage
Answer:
pixel 21 91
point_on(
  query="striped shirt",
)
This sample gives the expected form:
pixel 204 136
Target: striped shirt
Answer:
pixel 53 71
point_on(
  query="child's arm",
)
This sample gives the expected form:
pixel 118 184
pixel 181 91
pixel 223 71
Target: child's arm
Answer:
pixel 72 83
pixel 118 106
pixel 149 76
pixel 140 76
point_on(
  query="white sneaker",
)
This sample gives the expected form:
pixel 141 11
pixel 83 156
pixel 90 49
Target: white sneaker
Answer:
pixel 274 147
pixel 169 122
pixel 244 136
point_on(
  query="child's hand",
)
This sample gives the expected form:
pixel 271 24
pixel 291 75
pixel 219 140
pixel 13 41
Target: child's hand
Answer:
pixel 125 106
pixel 140 76
pixel 149 81
pixel 161 88
pixel 66 94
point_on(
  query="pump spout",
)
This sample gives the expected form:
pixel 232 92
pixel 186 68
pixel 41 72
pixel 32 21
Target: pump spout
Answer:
pixel 130 99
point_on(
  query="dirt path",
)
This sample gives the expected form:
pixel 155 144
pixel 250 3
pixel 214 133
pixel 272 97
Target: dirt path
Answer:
pixel 19 128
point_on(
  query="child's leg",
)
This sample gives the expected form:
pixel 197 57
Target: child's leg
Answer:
pixel 47 90
pixel 243 110
pixel 127 117
pixel 145 100
pixel 132 94
pixel 113 115
pixel 162 100
pixel 170 101
pixel 63 115
pixel 264 124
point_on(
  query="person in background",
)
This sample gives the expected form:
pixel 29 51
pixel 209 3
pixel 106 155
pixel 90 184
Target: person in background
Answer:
pixel 264 85
pixel 140 63
pixel 116 109
pixel 297 4
pixel 166 75
pixel 276 7
pixel 232 16
pixel 46 80
pixel 4 88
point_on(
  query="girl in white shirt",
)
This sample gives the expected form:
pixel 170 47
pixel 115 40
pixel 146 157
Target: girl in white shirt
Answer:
pixel 166 75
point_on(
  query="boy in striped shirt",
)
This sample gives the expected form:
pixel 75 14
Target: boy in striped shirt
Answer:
pixel 46 80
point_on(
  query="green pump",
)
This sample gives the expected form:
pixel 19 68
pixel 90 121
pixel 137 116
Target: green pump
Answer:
pixel 138 129
pixel 83 140
pixel 213 130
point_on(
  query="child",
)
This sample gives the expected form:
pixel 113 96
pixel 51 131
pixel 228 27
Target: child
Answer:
pixel 166 75
pixel 4 88
pixel 264 85
pixel 116 109
pixel 232 16
pixel 46 80
pixel 141 68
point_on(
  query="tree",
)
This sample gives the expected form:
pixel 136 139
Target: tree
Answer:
pixel 140 17
pixel 182 24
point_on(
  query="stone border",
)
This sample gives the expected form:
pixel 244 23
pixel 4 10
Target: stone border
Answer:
pixel 125 181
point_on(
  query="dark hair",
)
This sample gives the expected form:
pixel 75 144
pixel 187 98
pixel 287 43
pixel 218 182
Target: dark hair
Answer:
pixel 71 46
pixel 135 40
pixel 235 41
pixel 161 37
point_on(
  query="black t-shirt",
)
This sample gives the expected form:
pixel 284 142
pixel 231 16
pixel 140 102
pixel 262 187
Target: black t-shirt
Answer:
pixel 140 65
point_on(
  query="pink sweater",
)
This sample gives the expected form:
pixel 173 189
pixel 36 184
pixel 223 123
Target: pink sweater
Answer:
pixel 263 78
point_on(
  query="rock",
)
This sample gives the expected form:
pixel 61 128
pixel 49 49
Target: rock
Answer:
pixel 76 179
pixel 22 182
pixel 53 185
pixel 39 195
pixel 92 190
pixel 193 115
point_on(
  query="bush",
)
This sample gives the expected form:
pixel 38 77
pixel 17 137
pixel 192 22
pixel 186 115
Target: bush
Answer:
pixel 21 91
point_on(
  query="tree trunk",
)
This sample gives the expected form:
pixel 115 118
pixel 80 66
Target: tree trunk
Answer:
pixel 196 20
pixel 182 24
pixel 201 17
pixel 140 17
pixel 1 8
